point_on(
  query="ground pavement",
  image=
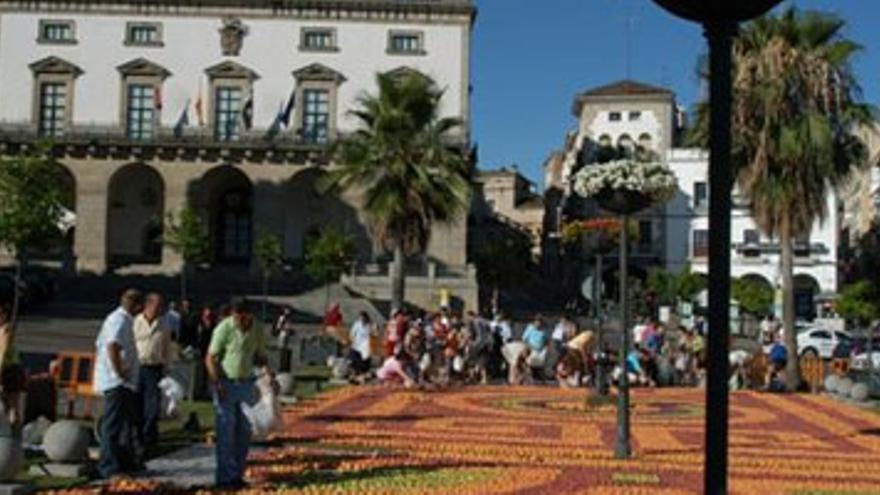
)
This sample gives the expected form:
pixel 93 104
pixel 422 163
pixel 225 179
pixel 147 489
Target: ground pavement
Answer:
pixel 542 440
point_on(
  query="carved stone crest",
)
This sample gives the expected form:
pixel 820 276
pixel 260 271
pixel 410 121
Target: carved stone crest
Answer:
pixel 232 36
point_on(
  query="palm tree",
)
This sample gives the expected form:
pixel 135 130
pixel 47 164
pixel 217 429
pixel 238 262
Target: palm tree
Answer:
pixel 796 112
pixel 407 165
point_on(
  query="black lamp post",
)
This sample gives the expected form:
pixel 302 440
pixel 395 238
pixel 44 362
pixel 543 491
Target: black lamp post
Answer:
pixel 720 18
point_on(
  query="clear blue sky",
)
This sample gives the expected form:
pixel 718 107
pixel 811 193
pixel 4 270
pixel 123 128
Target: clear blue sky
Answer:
pixel 532 56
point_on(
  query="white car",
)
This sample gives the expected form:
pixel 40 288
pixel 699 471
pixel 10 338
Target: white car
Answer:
pixel 820 342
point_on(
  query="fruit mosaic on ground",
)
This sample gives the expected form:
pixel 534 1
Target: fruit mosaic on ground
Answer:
pixel 545 440
pixel 549 441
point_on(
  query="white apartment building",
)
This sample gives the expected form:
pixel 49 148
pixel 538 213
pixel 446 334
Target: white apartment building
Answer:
pixel 227 105
pixel 675 235
pixel 753 254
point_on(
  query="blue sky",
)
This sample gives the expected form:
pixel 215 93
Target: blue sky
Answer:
pixel 532 56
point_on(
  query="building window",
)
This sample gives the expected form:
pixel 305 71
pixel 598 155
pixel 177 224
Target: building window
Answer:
pixel 314 39
pixel 227 108
pixel 614 116
pixel 406 42
pixel 143 34
pixel 58 32
pixel 646 236
pixel 701 195
pixel 140 118
pixel 701 243
pixel 635 116
pixel 751 237
pixel 53 108
pixel 316 115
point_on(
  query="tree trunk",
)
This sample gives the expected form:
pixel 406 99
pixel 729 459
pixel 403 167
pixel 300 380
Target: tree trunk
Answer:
pixel 398 278
pixel 495 296
pixel 792 369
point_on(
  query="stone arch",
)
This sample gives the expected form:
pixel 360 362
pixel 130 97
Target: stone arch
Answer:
pixel 227 197
pixel 625 141
pixel 605 140
pixel 135 216
pixel 806 288
pixel 646 141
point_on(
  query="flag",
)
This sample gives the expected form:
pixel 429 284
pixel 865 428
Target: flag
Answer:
pixel 247 112
pixel 276 123
pixel 288 109
pixel 182 121
pixel 199 108
pixel 157 96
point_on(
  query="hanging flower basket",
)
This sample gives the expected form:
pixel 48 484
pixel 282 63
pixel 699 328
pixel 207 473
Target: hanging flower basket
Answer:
pixel 622 201
pixel 626 186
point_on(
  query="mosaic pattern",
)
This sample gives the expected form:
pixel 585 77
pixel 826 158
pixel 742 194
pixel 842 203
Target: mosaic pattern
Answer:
pixel 546 440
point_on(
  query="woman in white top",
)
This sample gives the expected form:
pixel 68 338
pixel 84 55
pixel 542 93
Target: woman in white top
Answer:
pixel 360 334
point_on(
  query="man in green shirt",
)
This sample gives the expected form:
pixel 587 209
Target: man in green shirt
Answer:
pixel 237 344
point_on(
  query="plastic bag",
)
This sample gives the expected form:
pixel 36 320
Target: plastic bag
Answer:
pixel 172 395
pixel 265 415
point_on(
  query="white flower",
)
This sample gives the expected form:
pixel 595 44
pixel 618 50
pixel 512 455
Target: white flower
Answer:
pixel 655 180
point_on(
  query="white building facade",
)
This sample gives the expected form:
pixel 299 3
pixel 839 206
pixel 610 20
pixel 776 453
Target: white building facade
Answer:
pixel 753 254
pixel 229 106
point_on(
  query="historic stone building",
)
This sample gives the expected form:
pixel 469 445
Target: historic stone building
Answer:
pixel 507 202
pixel 229 106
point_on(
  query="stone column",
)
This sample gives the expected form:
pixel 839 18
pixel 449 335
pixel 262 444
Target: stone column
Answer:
pixel 92 191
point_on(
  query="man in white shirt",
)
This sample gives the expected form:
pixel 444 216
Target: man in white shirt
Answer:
pixel 116 378
pixel 360 334
pixel 153 339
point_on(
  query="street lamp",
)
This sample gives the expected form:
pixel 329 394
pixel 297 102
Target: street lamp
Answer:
pixel 720 19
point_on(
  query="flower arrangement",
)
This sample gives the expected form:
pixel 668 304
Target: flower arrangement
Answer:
pixel 653 180
pixel 603 228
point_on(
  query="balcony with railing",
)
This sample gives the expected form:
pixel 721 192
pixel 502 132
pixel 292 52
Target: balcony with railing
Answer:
pixel 200 142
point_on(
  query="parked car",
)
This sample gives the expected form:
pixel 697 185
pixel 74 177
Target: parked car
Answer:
pixel 820 342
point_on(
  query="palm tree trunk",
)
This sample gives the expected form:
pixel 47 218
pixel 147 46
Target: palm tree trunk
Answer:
pixel 398 278
pixel 792 369
pixel 495 296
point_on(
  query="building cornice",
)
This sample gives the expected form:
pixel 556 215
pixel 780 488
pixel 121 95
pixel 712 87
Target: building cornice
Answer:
pixel 422 11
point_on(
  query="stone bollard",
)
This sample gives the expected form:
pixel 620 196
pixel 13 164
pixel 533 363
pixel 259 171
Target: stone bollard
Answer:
pixel 844 386
pixel 66 442
pixel 859 392
pixel 831 382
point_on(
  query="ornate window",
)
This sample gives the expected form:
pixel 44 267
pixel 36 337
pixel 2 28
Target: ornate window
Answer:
pixel 316 115
pixel 231 89
pixel 53 95
pixel 318 40
pixel 54 31
pixel 142 82
pixel 227 109
pixel 53 108
pixel 406 42
pixel 143 34
pixel 317 88
pixel 140 121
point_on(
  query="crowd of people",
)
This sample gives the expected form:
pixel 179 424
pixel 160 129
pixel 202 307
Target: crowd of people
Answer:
pixel 438 349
